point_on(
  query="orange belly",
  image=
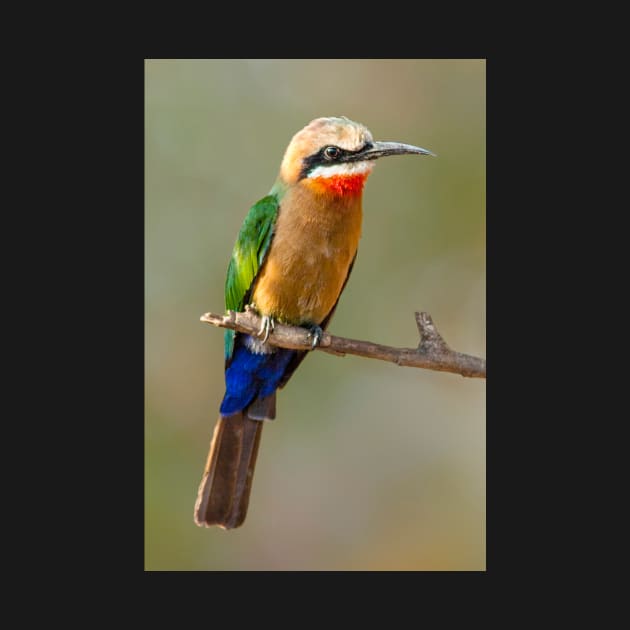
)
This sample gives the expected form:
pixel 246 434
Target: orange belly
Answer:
pixel 314 243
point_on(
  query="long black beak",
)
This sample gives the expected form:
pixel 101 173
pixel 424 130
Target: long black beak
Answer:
pixel 380 149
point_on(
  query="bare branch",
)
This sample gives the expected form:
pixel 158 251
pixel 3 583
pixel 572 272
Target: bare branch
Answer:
pixel 432 353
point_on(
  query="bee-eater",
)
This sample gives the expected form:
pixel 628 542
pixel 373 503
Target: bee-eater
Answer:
pixel 291 261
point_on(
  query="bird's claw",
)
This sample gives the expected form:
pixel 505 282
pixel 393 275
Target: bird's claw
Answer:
pixel 267 325
pixel 316 333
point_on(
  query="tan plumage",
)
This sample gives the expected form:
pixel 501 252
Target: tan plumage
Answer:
pixel 315 241
pixel 304 270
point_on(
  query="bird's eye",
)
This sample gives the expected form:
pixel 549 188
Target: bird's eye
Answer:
pixel 332 153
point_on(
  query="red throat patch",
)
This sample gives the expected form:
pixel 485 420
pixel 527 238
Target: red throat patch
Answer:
pixel 342 184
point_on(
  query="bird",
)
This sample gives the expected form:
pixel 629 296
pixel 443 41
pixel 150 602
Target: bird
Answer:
pixel 290 263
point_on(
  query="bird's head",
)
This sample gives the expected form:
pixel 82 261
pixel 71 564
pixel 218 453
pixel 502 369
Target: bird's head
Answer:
pixel 335 155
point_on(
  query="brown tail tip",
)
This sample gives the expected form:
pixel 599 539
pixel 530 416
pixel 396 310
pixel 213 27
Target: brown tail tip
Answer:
pixel 224 491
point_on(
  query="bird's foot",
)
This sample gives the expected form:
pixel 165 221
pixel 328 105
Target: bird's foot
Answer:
pixel 316 333
pixel 267 325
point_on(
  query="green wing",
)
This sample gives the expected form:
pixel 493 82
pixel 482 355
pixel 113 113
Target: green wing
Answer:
pixel 248 256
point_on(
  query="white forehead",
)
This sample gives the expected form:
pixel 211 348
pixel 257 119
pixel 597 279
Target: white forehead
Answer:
pixel 339 131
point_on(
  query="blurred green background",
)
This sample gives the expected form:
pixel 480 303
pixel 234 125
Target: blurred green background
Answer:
pixel 368 466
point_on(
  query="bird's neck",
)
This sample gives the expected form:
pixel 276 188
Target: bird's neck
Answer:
pixel 337 185
pixel 326 211
pixel 339 180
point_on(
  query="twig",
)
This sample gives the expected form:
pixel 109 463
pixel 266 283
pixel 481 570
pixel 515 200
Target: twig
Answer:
pixel 432 353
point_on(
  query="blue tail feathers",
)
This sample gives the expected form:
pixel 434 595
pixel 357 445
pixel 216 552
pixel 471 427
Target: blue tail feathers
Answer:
pixel 252 375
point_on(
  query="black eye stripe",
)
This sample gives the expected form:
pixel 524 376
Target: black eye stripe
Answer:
pixel 319 158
